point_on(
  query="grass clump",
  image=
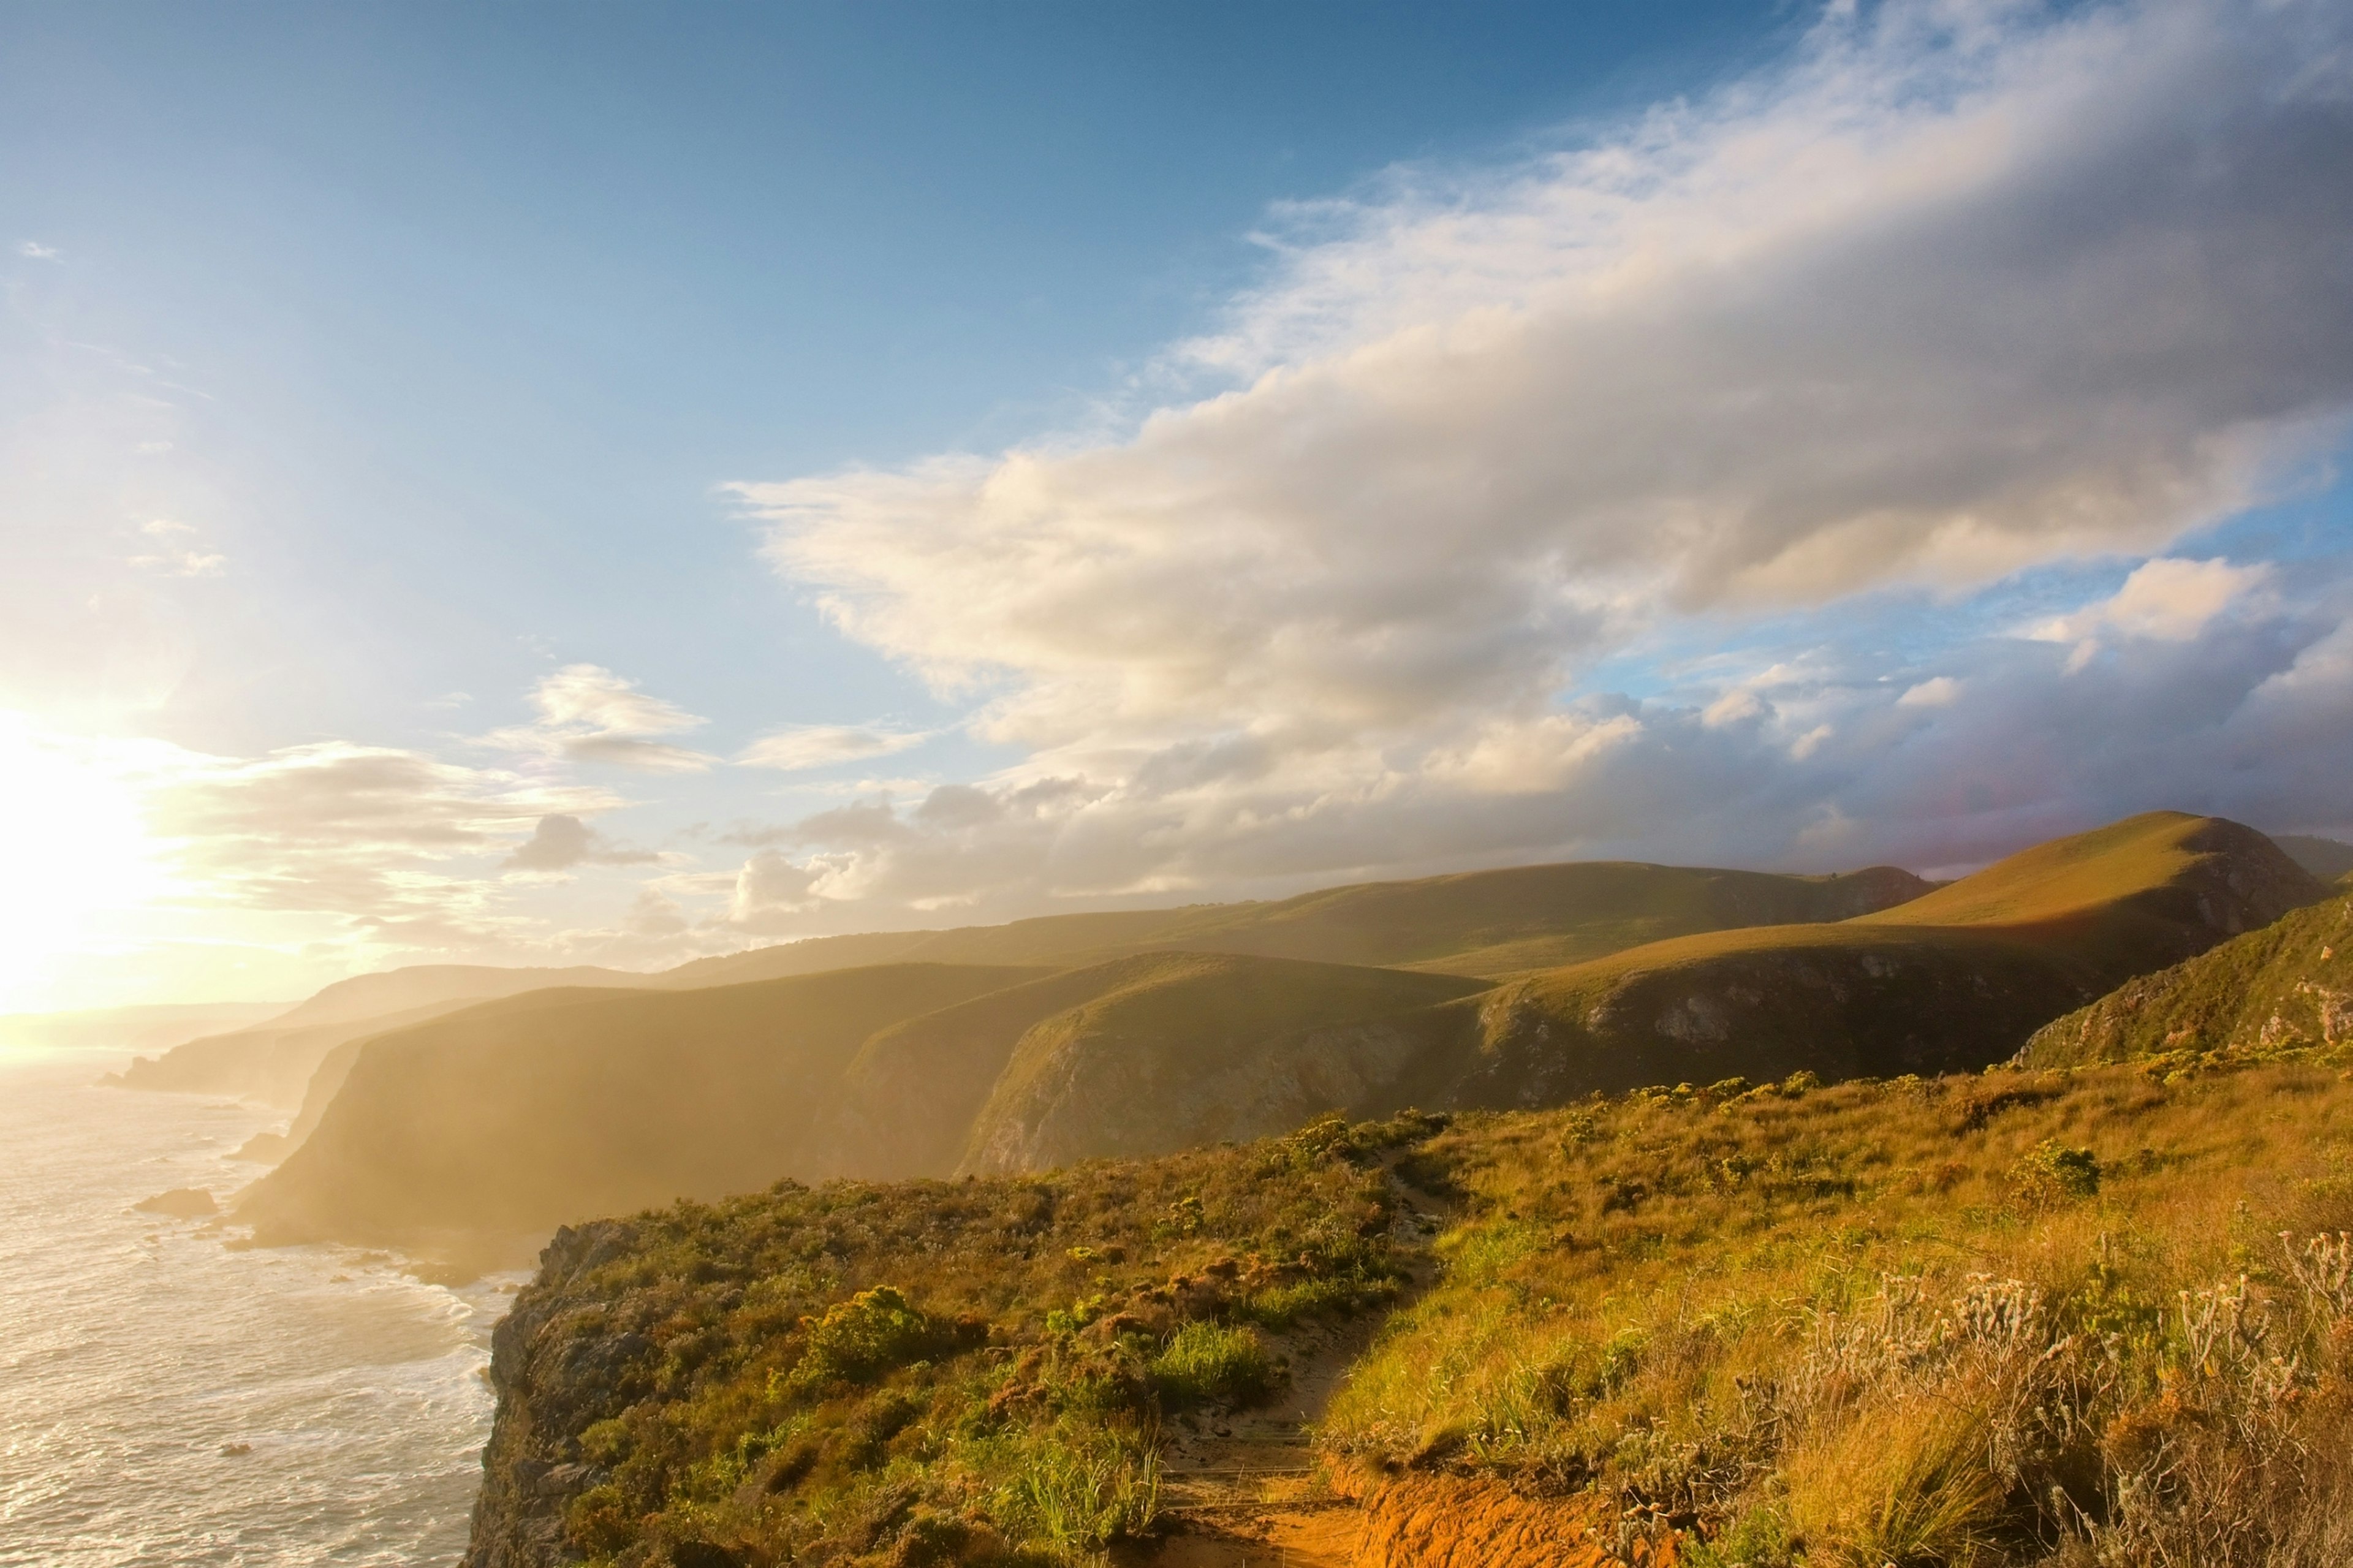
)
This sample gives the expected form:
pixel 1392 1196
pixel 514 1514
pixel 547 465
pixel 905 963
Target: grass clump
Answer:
pixel 1211 1362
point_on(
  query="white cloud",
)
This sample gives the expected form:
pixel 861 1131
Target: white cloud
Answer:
pixel 36 251
pixel 361 833
pixel 1967 288
pixel 1941 691
pixel 821 745
pixel 588 714
pixel 2166 599
pixel 183 562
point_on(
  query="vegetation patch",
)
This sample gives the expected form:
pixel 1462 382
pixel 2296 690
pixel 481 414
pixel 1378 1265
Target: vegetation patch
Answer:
pixel 926 1373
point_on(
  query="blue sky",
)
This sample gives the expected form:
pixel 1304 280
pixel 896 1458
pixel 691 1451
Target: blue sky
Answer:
pixel 1179 452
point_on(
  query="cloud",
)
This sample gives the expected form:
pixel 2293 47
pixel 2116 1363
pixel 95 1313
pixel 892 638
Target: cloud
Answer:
pixel 1941 691
pixel 36 251
pixel 822 745
pixel 172 560
pixel 1962 290
pixel 560 842
pixel 364 835
pixel 2166 599
pixel 1965 289
pixel 588 714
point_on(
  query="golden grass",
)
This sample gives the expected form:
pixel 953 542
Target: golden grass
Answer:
pixel 1859 1321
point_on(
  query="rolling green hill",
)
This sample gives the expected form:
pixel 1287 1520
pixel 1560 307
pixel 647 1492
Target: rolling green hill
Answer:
pixel 525 1113
pixel 511 1118
pixel 1955 980
pixel 1141 1055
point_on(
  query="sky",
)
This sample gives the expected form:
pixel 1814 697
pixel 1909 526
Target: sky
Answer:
pixel 557 484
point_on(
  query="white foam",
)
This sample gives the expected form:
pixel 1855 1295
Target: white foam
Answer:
pixel 138 1349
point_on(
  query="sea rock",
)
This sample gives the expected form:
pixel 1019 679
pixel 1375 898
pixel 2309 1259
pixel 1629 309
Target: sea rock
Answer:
pixel 180 1203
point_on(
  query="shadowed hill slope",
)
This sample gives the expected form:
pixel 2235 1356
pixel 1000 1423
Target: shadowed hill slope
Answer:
pixel 514 1115
pixel 1141 1055
pixel 1955 980
pixel 2326 858
pixel 2288 986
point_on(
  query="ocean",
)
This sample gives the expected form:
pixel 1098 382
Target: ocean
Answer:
pixel 167 1400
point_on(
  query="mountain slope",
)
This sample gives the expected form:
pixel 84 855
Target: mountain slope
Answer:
pixel 1151 1052
pixel 1176 1050
pixel 514 1116
pixel 274 1061
pixel 1481 924
pixel 2288 986
pixel 1955 980
pixel 2327 859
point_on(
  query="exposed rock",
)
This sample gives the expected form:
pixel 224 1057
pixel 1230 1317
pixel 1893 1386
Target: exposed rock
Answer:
pixel 180 1203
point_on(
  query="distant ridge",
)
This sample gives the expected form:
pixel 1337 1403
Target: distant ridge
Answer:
pixel 274 1061
pixel 1475 922
pixel 2326 858
pixel 1955 980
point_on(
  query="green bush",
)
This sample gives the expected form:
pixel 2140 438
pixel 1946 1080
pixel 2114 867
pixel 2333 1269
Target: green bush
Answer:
pixel 2050 1174
pixel 858 1340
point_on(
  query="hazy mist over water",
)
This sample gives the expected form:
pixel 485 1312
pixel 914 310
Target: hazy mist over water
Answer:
pixel 135 1350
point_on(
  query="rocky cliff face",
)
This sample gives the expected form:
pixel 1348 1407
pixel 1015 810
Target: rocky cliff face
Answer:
pixel 552 1386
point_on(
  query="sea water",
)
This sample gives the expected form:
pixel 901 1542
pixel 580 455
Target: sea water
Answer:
pixel 167 1398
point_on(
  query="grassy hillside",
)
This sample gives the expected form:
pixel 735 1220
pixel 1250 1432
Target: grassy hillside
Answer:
pixel 516 1116
pixel 1190 1049
pixel 2023 1318
pixel 2287 986
pixel 1955 980
pixel 513 1117
pixel 1141 1055
pixel 1481 924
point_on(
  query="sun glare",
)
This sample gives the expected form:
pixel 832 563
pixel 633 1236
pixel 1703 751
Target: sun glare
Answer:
pixel 77 849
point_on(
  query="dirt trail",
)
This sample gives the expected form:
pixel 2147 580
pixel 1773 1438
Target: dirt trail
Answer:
pixel 1243 1489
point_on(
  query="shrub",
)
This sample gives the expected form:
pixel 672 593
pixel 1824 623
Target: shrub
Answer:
pixel 858 1340
pixel 2050 1174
